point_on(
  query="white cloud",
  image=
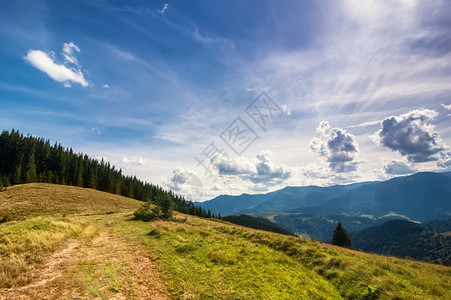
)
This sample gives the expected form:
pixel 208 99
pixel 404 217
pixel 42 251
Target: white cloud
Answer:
pixel 203 38
pixel 126 162
pixel 185 183
pixel 412 135
pixel 165 7
pixel 447 107
pixel 445 161
pixel 96 130
pixel 68 53
pixel 365 124
pixel 286 109
pixel 259 170
pixel 337 146
pixel 58 72
pixel 396 167
pixel 106 86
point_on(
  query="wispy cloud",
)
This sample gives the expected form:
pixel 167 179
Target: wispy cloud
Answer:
pixel 68 53
pixel 209 39
pixel 363 61
pixel 447 107
pixel 165 7
pixel 59 72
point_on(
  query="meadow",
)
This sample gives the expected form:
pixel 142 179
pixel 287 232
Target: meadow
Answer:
pixel 75 242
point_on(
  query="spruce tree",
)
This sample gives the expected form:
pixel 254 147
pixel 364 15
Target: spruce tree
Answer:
pixel 166 207
pixel 341 237
pixel 30 169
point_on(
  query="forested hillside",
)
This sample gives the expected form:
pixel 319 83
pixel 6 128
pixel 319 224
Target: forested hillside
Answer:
pixel 405 239
pixel 28 159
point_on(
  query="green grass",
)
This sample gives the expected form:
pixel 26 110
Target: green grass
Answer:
pixel 99 279
pixel 197 258
pixel 211 259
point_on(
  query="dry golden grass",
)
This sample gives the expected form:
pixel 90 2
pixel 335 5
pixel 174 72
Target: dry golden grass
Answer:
pixel 42 217
pixel 37 199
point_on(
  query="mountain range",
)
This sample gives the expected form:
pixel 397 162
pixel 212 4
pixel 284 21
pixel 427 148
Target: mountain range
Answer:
pixel 422 196
pixel 314 210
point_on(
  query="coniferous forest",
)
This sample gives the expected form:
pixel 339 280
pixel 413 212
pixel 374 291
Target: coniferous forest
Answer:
pixel 27 159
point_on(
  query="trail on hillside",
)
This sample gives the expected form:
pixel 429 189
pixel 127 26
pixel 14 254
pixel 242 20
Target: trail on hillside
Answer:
pixel 104 265
pixel 47 279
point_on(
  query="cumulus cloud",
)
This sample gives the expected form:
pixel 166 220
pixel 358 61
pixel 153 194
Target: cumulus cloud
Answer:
pixel 59 72
pixel 445 161
pixel 106 86
pixel 165 7
pixel 186 183
pixel 259 170
pixel 132 162
pixel 447 107
pixel 412 135
pixel 396 167
pixel 337 146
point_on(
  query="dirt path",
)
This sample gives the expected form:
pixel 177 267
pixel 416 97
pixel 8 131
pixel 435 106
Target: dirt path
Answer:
pixel 104 265
pixel 47 278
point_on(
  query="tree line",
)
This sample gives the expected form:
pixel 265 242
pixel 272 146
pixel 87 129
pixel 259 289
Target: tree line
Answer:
pixel 28 159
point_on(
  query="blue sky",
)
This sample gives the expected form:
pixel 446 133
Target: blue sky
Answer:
pixel 352 90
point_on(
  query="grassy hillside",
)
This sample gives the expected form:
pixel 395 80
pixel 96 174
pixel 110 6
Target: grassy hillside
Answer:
pixel 41 198
pixel 108 256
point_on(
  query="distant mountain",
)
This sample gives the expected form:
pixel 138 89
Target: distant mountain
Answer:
pixel 440 225
pixel 405 239
pixel 256 223
pixel 422 197
pixel 321 227
pixel 284 200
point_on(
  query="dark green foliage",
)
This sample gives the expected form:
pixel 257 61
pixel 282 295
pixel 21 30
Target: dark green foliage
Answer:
pixel 162 210
pixel 405 239
pixel 26 159
pixel 441 225
pixel 166 208
pixel 341 237
pixel 257 223
pixel 146 213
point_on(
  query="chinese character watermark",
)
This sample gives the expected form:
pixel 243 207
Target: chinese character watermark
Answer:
pixel 238 136
pixel 263 109
pixel 193 184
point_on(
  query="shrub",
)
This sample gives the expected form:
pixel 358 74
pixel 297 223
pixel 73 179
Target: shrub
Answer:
pixel 147 213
